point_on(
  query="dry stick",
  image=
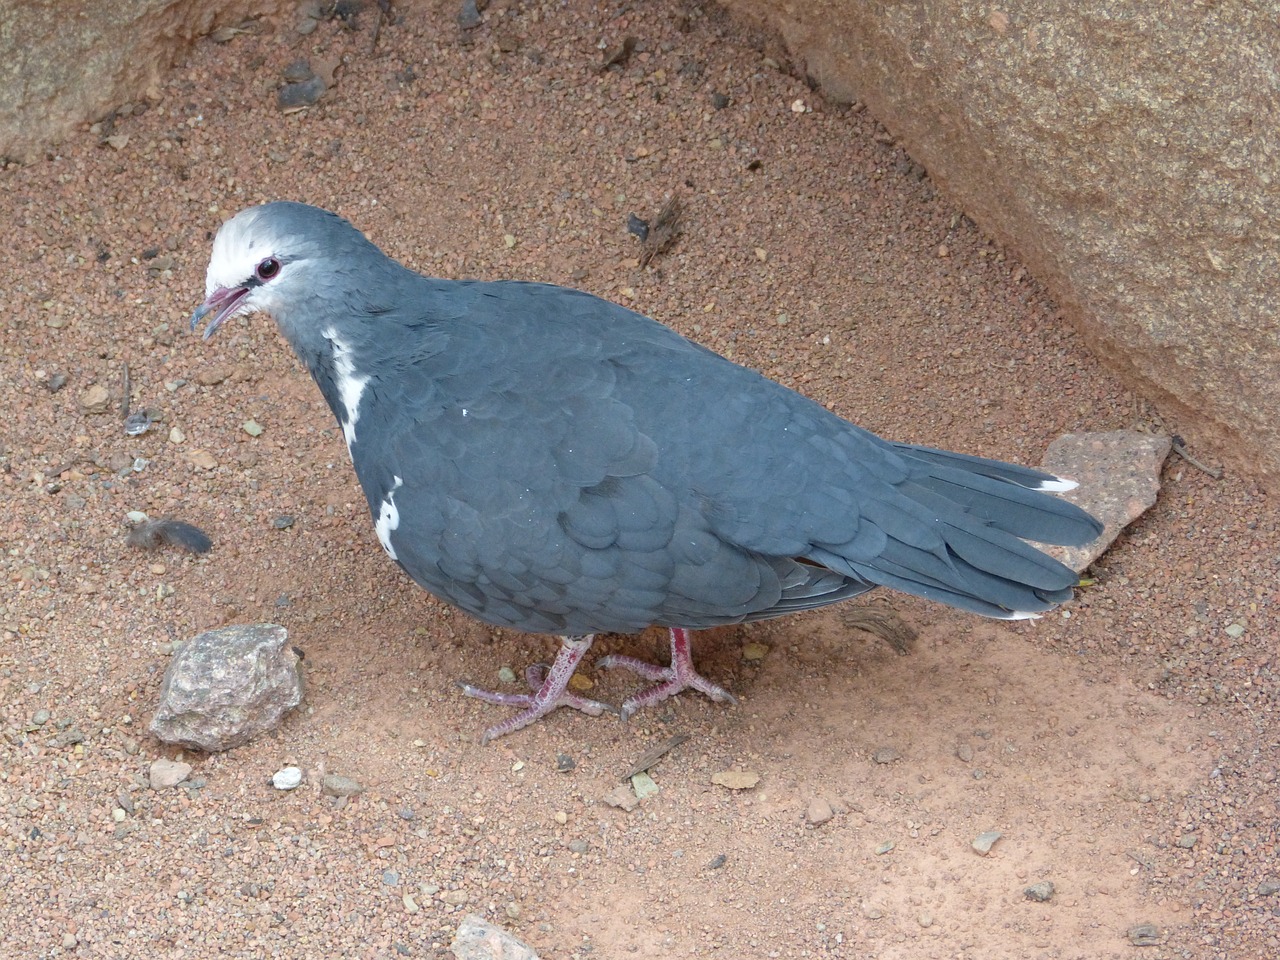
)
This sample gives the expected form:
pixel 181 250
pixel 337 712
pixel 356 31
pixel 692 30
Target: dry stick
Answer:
pixel 654 754
pixel 1182 451
pixel 124 401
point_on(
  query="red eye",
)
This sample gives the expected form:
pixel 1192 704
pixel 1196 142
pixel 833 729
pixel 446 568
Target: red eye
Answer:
pixel 268 268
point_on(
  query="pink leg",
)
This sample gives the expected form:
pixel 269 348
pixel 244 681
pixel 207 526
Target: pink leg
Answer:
pixel 550 691
pixel 668 681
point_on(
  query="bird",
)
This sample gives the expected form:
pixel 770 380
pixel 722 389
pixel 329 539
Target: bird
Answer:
pixel 552 462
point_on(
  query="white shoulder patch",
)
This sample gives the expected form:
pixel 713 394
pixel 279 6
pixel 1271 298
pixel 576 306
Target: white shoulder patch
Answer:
pixel 350 385
pixel 388 519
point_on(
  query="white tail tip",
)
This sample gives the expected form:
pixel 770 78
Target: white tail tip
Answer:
pixel 1021 615
pixel 1057 485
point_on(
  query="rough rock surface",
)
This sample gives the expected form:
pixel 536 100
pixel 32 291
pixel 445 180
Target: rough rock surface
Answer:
pixel 226 686
pixel 1131 158
pixel 1119 476
pixel 478 939
pixel 62 63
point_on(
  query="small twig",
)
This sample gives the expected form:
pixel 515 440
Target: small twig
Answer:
pixel 663 231
pixel 384 12
pixel 654 754
pixel 124 400
pixel 78 459
pixel 1180 449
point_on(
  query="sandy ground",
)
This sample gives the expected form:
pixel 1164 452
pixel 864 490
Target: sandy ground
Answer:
pixel 1125 747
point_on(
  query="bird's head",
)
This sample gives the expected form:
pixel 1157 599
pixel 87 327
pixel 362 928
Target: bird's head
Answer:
pixel 272 258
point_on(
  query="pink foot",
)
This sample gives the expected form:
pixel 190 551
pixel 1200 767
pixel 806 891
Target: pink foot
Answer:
pixel 668 681
pixel 550 691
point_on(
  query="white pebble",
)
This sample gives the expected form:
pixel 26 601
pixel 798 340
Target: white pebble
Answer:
pixel 286 778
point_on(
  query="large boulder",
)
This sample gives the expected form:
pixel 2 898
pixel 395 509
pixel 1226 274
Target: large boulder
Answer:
pixel 66 61
pixel 1128 151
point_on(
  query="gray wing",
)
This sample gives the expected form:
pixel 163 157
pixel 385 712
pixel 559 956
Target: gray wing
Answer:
pixel 568 466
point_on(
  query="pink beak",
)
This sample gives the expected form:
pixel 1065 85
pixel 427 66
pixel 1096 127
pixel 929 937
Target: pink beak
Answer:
pixel 224 301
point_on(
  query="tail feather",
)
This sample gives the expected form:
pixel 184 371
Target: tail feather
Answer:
pixel 957 534
pixel 1010 497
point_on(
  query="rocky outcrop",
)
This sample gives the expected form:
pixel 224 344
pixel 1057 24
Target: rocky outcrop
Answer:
pixel 63 62
pixel 1128 151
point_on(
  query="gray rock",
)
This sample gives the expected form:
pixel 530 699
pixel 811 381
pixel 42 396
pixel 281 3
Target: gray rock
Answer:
pixel 983 842
pixel 295 96
pixel 1145 935
pixel 1148 213
pixel 227 686
pixel 1040 892
pixel 166 773
pixel 1268 888
pixel 1119 476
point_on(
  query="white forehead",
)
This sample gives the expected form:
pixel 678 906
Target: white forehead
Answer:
pixel 239 247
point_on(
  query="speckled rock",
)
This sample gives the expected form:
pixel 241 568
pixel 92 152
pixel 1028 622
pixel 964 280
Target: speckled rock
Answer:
pixel 477 939
pixel 227 686
pixel 63 64
pixel 1119 476
pixel 1132 160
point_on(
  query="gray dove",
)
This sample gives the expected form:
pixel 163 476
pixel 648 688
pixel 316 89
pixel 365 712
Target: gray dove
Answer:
pixel 555 463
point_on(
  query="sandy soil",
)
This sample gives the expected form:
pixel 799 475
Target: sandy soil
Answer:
pixel 1126 747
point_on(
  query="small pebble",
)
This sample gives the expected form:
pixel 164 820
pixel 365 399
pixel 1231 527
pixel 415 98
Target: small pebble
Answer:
pixel 69 941
pixel 579 846
pixel 561 817
pixel 622 797
pixel 168 773
pixel 1040 892
pixel 40 717
pixel 644 785
pixel 818 812
pixel 506 675
pixel 565 763
pixel 736 779
pixel 754 652
pixel 1187 841
pixel 886 755
pixel 286 778
pixel 334 785
pixel 925 920
pixel 983 843
pixel 1144 935
pixel 885 847
pixel 137 423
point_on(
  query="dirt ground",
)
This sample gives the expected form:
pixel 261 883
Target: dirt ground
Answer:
pixel 1125 747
